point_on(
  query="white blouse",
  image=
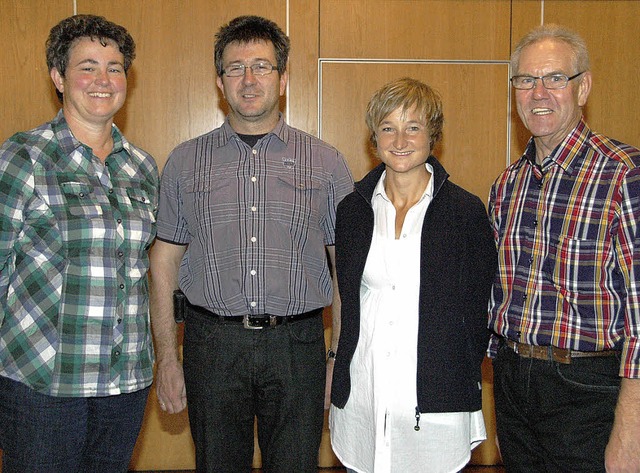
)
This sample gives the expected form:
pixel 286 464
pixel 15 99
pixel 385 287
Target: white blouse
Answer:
pixel 375 432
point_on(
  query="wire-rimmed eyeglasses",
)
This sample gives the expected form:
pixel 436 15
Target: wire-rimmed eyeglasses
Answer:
pixel 551 81
pixel 258 69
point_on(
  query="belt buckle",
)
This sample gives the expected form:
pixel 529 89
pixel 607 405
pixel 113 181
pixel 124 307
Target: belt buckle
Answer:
pixel 247 323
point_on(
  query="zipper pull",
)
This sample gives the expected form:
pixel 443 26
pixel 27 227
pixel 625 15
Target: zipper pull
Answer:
pixel 417 427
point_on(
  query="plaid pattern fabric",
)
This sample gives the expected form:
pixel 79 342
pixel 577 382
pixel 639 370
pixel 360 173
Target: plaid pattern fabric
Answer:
pixel 256 219
pixel 569 248
pixel 74 235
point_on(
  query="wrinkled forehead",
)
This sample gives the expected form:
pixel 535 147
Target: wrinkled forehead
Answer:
pixel 546 56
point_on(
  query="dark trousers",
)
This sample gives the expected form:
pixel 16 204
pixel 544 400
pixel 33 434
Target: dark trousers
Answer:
pixel 40 433
pixel 234 375
pixel 554 417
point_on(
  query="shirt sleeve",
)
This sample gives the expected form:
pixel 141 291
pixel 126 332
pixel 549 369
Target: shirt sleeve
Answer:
pixel 171 223
pixel 628 255
pixel 16 184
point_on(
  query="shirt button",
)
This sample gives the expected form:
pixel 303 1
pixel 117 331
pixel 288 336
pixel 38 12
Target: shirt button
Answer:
pixel 116 353
pixel 253 304
pixel 120 254
pixel 254 208
pixel 254 151
pixel 119 321
pixel 253 179
pixel 253 272
pixel 254 239
pixel 110 191
pixel 121 286
pixel 119 220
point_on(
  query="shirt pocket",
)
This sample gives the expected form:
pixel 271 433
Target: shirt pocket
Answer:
pixel 80 199
pixel 574 267
pixel 141 204
pixel 301 198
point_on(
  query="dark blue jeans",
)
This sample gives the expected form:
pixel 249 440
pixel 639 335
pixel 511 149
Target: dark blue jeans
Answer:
pixel 554 417
pixel 46 434
pixel 234 375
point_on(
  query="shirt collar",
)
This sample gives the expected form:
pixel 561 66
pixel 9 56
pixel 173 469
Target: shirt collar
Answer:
pixel 280 131
pixel 565 154
pixel 69 143
pixel 380 193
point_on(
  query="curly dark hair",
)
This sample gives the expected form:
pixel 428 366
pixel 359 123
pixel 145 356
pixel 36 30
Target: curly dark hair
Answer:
pixel 247 29
pixel 63 36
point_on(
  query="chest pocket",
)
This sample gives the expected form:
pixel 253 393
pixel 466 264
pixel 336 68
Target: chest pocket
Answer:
pixel 306 197
pixel 141 204
pixel 81 201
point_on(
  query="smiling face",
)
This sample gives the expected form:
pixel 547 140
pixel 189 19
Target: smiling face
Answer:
pixel 94 84
pixel 550 115
pixel 253 100
pixel 403 142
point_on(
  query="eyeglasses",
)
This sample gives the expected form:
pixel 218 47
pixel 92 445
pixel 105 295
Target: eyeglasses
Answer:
pixel 551 82
pixel 258 69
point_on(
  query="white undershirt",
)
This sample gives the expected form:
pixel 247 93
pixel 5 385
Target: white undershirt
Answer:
pixel 375 430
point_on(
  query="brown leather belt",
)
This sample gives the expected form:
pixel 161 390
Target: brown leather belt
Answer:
pixel 551 353
pixel 255 322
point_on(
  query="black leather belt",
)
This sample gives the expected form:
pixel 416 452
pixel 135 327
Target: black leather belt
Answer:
pixel 551 353
pixel 254 322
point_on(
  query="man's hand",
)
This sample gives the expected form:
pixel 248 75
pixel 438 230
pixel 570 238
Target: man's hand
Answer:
pixel 170 388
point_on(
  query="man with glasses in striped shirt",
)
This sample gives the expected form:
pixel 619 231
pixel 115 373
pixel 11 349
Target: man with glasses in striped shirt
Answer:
pixel 245 222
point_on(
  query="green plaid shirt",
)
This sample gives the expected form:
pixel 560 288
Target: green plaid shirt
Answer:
pixel 74 237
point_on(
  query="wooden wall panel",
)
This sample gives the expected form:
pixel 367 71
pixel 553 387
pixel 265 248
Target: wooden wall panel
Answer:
pixel 26 96
pixel 303 65
pixel 405 29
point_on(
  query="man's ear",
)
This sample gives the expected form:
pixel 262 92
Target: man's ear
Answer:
pixel 284 78
pixel 584 88
pixel 220 85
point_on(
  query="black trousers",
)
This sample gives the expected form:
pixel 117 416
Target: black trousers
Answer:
pixel 234 375
pixel 554 417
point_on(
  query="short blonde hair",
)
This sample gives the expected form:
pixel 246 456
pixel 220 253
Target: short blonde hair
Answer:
pixel 406 93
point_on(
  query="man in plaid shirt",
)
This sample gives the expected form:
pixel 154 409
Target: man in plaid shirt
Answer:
pixel 565 307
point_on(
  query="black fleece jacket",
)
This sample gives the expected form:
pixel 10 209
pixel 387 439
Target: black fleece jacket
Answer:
pixel 458 263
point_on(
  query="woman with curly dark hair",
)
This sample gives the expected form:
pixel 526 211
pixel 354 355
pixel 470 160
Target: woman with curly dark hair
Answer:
pixel 77 216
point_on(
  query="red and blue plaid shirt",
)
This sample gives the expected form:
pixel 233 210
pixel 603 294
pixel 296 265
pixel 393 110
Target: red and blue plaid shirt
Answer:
pixel 568 237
